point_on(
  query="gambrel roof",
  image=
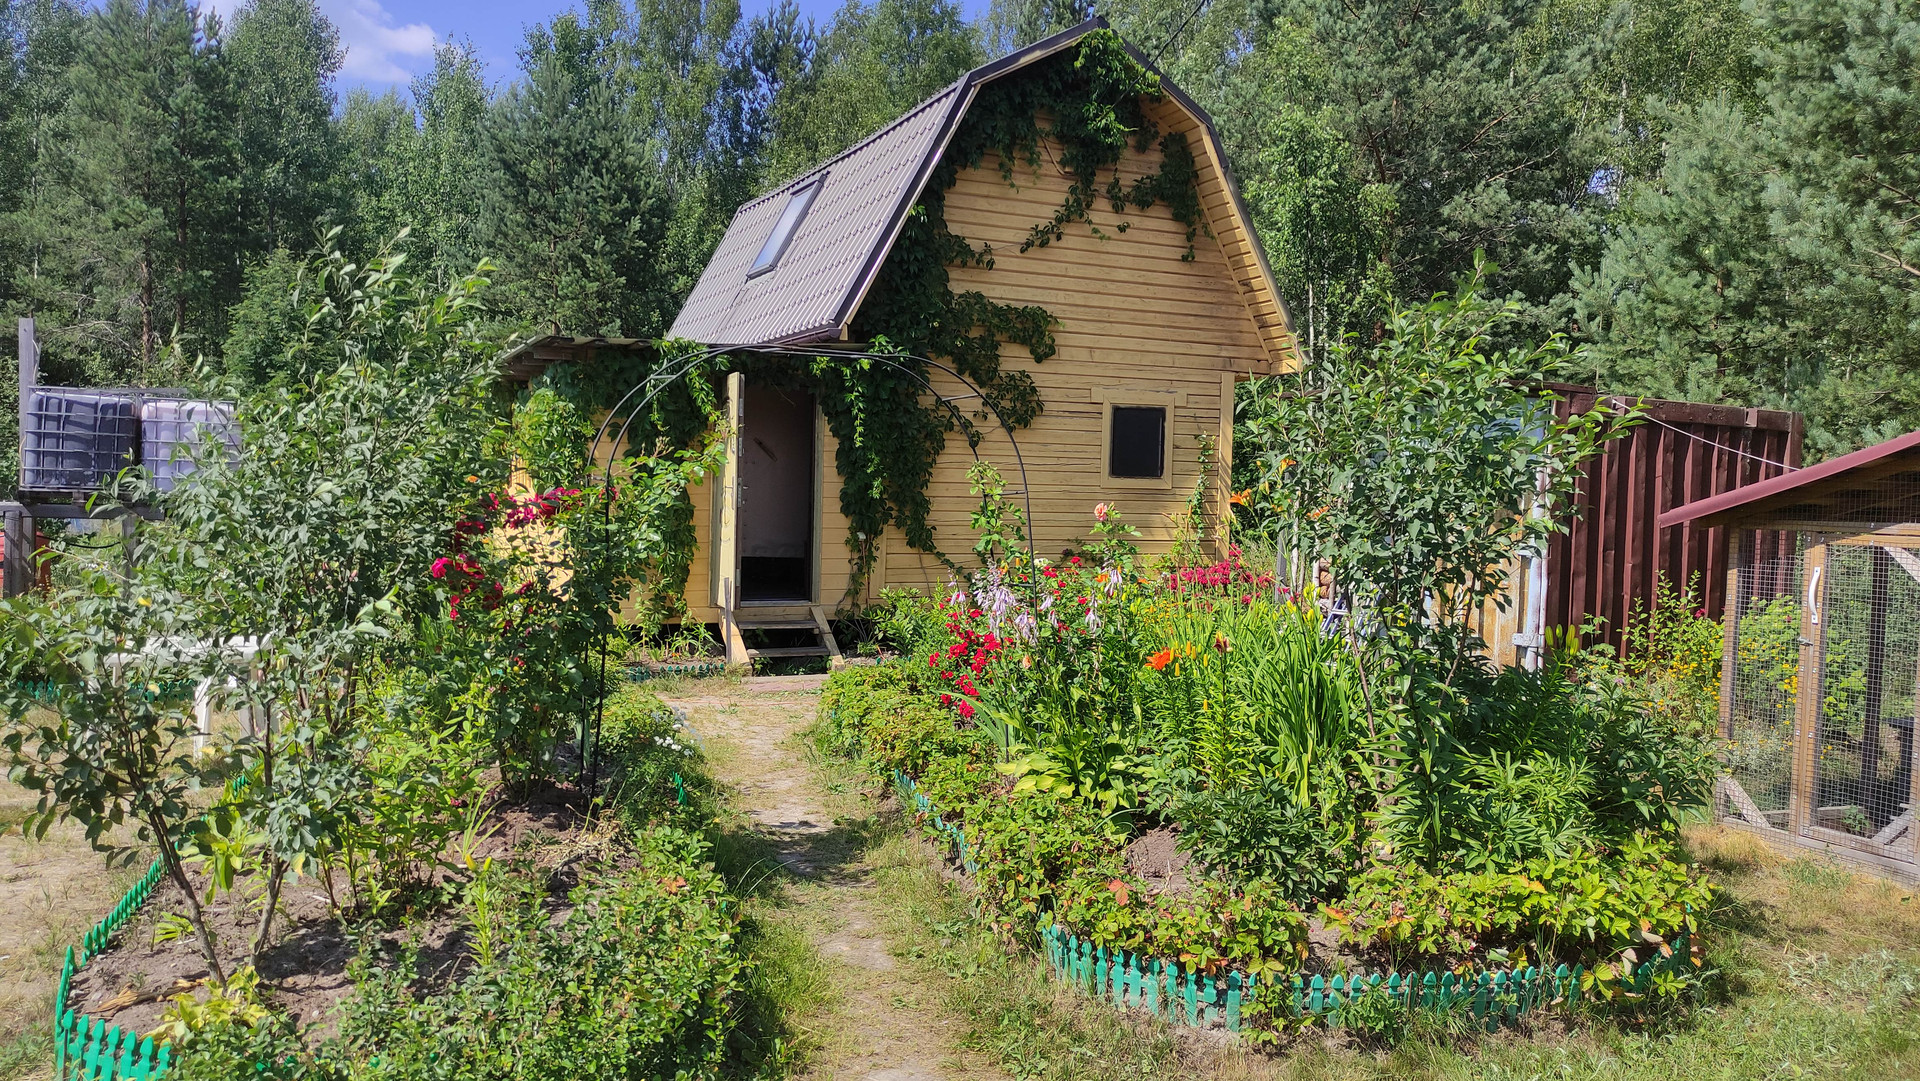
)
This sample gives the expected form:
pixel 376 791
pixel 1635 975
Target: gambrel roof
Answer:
pixel 842 238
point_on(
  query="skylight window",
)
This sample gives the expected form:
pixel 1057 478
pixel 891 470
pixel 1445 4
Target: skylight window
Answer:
pixel 783 229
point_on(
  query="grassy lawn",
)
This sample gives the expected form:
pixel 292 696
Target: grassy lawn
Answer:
pixel 51 891
pixel 1820 978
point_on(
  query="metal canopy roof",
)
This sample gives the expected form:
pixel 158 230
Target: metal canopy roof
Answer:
pixel 1867 490
pixel 838 249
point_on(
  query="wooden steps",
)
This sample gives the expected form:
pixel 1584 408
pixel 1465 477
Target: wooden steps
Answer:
pixel 811 618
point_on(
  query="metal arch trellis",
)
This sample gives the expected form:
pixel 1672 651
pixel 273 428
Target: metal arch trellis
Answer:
pixel 655 382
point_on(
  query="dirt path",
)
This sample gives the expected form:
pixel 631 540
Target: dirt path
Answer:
pixel 887 1025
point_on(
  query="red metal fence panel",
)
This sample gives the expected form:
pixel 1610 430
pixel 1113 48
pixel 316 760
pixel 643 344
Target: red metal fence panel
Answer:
pixel 1614 552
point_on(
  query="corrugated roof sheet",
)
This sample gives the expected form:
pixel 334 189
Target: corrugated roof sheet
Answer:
pixel 866 190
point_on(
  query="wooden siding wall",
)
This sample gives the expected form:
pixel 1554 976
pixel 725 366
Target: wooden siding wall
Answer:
pixel 1135 318
pixel 1614 551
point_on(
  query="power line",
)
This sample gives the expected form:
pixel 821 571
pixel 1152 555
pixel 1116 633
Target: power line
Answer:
pixel 1720 446
pixel 1197 8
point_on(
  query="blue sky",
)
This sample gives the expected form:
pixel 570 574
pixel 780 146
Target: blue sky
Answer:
pixel 390 41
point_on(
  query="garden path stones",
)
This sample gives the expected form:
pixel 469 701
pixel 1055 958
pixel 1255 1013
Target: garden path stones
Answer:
pixel 886 1024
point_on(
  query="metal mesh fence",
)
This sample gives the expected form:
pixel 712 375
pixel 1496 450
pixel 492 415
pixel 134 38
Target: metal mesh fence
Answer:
pixel 1869 642
pixel 1824 690
pixel 1759 720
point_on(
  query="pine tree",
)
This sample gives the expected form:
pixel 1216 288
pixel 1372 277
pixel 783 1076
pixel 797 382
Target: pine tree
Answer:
pixel 571 206
pixel 140 235
pixel 1479 139
pixel 1775 259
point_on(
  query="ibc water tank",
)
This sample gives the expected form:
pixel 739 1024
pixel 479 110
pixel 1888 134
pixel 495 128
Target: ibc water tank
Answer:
pixel 173 430
pixel 72 440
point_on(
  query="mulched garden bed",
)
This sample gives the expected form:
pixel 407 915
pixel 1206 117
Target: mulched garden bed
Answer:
pixel 303 972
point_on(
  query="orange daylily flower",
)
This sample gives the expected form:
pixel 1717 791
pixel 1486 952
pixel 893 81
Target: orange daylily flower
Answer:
pixel 1161 659
pixel 1239 499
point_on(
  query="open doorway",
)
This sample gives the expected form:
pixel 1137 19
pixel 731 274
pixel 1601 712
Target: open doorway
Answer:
pixel 777 496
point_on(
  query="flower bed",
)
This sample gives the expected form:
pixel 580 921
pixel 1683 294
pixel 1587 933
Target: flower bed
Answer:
pixel 1185 996
pixel 1178 774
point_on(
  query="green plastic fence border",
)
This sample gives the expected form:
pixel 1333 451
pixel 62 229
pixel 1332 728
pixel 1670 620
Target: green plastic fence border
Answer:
pixel 695 670
pixel 87 1048
pixel 1189 997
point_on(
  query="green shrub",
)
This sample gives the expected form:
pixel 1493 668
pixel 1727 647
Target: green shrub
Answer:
pixel 1590 906
pixel 1257 833
pixel 643 748
pixel 1027 845
pixel 634 979
pixel 1544 762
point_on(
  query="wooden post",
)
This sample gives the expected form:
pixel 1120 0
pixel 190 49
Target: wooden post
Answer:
pixel 29 361
pixel 1729 634
pixel 1808 689
pixel 1913 768
pixel 16 572
pixel 726 545
pixel 1878 594
pixel 1223 470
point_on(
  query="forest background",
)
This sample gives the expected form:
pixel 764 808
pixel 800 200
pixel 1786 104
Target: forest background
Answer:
pixel 1720 199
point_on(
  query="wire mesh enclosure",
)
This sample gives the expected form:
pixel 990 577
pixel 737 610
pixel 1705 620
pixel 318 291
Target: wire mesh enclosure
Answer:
pixel 1820 687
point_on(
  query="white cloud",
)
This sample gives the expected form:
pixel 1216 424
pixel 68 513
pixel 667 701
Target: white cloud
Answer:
pixel 373 43
pixel 367 32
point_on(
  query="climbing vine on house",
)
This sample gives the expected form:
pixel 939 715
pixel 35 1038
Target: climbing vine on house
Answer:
pixel 1088 103
pixel 647 529
pixel 1087 106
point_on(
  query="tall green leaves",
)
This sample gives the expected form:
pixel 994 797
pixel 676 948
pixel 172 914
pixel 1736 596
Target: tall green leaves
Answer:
pixel 1327 231
pixel 1256 691
pixel 353 469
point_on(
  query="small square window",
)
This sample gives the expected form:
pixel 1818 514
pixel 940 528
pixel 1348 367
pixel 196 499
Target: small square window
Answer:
pixel 1137 447
pixel 784 227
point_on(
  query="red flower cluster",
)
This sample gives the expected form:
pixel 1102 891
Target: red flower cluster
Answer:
pixel 1229 575
pixel 539 508
pixel 467 575
pixel 961 661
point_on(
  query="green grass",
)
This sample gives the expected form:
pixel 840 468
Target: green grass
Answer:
pixel 1029 1025
pixel 771 1037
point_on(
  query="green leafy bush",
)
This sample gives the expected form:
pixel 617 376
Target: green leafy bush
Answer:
pixel 1258 833
pixel 1589 906
pixel 633 979
pixel 643 746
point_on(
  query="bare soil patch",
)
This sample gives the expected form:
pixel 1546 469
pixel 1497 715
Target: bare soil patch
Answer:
pixel 303 969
